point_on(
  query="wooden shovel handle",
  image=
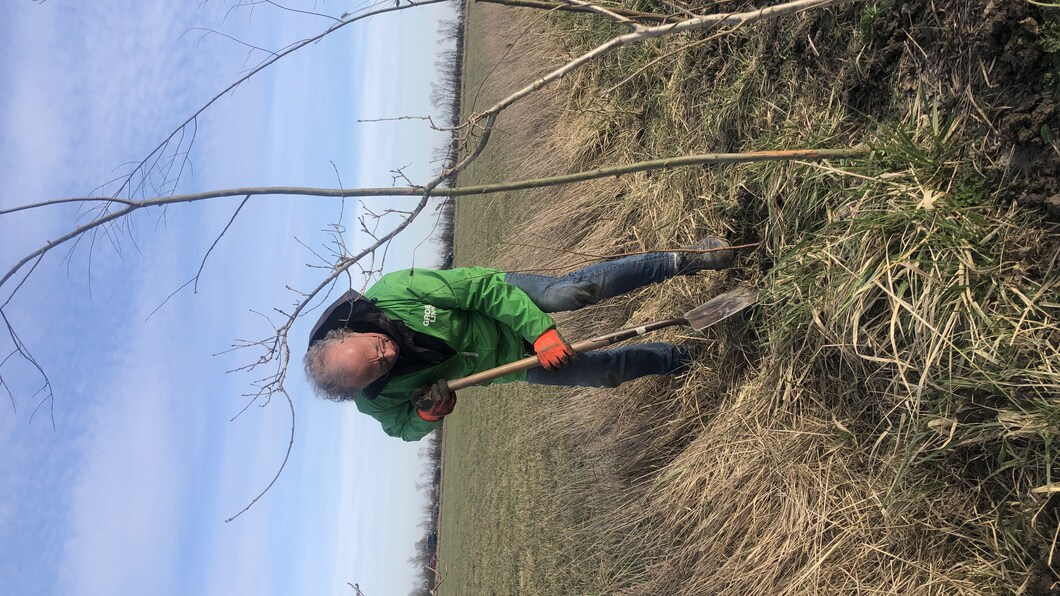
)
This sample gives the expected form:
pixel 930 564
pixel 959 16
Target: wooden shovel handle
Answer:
pixel 586 345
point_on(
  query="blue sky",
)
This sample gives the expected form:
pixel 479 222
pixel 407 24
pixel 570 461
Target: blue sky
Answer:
pixel 129 493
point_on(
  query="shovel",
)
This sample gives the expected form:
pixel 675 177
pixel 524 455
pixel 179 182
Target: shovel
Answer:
pixel 699 318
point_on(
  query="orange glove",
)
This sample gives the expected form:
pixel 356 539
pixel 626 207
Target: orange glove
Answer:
pixel 434 401
pixel 552 350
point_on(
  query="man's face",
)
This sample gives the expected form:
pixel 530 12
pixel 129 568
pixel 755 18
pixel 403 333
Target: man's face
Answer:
pixel 363 357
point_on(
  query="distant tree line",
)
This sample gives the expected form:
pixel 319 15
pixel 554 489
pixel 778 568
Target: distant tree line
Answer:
pixel 447 89
pixel 446 97
pixel 446 229
pixel 425 559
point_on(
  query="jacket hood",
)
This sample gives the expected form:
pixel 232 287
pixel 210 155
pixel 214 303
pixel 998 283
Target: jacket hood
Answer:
pixel 352 311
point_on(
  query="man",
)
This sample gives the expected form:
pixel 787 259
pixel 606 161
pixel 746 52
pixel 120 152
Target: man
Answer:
pixel 391 350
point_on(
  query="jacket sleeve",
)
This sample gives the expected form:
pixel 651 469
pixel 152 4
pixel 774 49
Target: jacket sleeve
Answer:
pixel 397 416
pixel 482 290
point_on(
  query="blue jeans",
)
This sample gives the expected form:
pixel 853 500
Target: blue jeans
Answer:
pixel 604 368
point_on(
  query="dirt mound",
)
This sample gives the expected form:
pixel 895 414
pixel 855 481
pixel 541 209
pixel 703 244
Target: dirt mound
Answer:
pixel 1002 58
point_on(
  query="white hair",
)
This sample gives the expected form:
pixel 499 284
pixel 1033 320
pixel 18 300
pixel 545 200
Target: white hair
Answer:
pixel 328 383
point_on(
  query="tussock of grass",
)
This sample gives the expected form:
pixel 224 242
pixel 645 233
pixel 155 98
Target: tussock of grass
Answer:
pixel 887 419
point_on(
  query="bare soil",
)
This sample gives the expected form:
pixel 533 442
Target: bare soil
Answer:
pixel 991 53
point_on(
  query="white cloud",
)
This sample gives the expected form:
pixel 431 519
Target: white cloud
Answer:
pixel 15 452
pixel 127 496
pixel 351 486
pixel 138 445
pixel 34 147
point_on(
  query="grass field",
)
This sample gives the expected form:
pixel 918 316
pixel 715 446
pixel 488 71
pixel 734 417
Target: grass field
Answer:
pixel 500 472
pixel 886 420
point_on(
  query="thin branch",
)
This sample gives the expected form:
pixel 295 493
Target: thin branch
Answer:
pixel 216 240
pixel 646 33
pixel 679 8
pixel 10 395
pixel 202 264
pixel 650 17
pixel 208 31
pixel 140 171
pixel 683 48
pixel 49 203
pixel 3 383
pixel 601 10
pixel 433 190
pixel 20 283
pixel 428 119
pixel 286 457
pixel 49 395
pixel 469 123
pixel 281 7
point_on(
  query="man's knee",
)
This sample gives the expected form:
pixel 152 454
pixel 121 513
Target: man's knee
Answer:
pixel 573 295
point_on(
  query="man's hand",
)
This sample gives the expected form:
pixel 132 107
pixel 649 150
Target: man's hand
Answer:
pixel 553 351
pixel 434 401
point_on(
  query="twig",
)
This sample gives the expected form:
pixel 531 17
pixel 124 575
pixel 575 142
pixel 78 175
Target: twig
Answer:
pixel 678 8
pixel 286 457
pixel 139 169
pixel 683 48
pixel 633 14
pixel 202 264
pixel 281 7
pixel 646 33
pixel 603 11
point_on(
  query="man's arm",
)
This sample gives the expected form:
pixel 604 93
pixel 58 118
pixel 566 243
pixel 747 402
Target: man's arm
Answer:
pixel 482 290
pixel 397 416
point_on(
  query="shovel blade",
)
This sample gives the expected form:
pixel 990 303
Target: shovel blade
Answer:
pixel 721 307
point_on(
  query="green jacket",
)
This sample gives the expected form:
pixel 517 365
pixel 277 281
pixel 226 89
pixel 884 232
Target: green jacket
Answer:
pixel 486 321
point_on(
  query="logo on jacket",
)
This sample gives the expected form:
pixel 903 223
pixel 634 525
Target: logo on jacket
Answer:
pixel 430 315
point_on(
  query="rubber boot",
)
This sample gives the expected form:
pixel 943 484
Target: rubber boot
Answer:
pixel 691 262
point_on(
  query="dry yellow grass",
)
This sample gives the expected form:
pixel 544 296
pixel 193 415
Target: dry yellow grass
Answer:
pixel 885 421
